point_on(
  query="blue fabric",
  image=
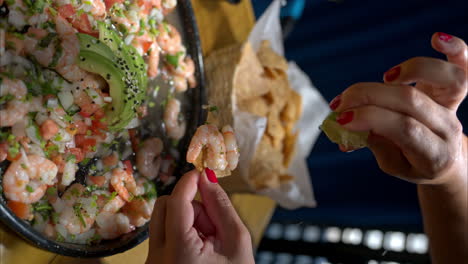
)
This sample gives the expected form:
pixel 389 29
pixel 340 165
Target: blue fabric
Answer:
pixel 294 9
pixel 338 43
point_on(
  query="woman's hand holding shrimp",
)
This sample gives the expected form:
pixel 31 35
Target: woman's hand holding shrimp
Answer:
pixel 183 230
pixel 415 133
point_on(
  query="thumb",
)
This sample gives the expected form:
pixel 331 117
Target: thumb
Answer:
pixel 219 208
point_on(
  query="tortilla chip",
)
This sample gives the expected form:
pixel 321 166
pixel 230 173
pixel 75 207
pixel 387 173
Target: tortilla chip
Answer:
pixel 289 148
pixel 292 110
pixel 256 105
pixel 283 178
pixel 275 129
pixel 270 59
pixel 248 81
pixel 266 166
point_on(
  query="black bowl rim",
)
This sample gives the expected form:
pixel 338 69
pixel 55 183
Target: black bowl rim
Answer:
pixel 37 239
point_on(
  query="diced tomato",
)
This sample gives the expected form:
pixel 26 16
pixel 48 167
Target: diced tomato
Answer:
pixel 146 45
pixel 111 160
pixel 20 209
pixel 83 25
pixel 49 129
pixel 145 6
pixel 88 109
pixel 134 139
pixel 110 3
pixel 66 11
pixel 128 167
pixel 86 144
pixel 97 180
pixel 81 127
pixel 99 114
pixel 58 160
pixel 78 154
pixel 13 158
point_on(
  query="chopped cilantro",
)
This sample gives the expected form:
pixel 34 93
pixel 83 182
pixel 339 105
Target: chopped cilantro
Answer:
pixel 174 59
pixel 45 42
pixel 77 209
pixel 29 189
pixel 70 158
pixel 60 238
pixel 6 98
pixel 51 191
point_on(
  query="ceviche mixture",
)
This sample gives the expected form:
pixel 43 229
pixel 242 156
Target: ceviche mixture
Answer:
pixel 74 79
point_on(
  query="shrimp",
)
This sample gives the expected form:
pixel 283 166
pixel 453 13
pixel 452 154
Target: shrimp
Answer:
pixel 168 6
pixel 180 83
pixel 183 73
pixel 175 129
pixel 232 151
pixel 153 60
pixel 148 159
pixel 80 217
pixel 16 109
pixel 111 224
pixel 123 182
pixel 98 9
pixel 208 136
pixel 169 38
pixel 26 179
pixel 71 47
pixel 139 211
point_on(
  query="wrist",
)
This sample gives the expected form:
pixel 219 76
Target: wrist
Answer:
pixel 456 179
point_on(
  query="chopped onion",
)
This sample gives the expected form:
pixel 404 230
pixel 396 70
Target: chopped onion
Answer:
pixel 66 98
pixel 108 99
pixel 133 123
pixel 128 40
pixel 52 102
pixel 69 172
pixel 33 134
pixel 35 149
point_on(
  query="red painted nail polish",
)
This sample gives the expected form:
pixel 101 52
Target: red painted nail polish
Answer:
pixel 345 117
pixel 335 102
pixel 445 37
pixel 211 175
pixel 392 74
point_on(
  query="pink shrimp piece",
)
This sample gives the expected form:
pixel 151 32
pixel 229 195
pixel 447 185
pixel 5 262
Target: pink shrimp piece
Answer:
pixel 169 38
pixel 26 179
pixel 153 60
pixel 232 151
pixel 208 137
pixel 175 129
pixel 139 211
pixel 148 159
pixel 16 109
pixel 123 183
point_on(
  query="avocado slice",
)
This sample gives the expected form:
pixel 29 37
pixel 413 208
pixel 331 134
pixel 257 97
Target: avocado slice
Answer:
pixel 337 134
pixel 131 63
pixel 94 62
pixel 122 67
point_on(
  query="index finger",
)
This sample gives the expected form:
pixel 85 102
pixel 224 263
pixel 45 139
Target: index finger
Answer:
pixel 180 214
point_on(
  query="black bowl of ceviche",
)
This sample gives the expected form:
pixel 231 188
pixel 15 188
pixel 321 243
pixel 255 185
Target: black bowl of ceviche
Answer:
pixel 98 102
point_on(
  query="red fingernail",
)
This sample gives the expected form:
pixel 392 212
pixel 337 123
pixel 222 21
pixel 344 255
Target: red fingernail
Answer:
pixel 335 102
pixel 392 74
pixel 345 117
pixel 211 175
pixel 445 37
